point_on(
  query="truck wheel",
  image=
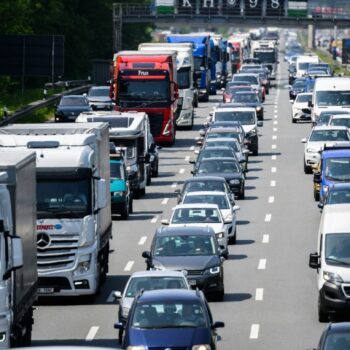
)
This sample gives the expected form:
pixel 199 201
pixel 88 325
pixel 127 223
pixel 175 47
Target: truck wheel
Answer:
pixel 307 169
pixel 131 205
pixel 125 211
pixel 316 195
pixel 322 314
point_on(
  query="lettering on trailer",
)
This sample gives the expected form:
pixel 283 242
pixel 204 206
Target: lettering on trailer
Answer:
pixel 49 227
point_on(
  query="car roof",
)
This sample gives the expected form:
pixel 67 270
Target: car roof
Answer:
pixel 230 139
pixel 158 273
pixel 329 127
pixel 247 74
pixel 188 230
pixel 197 205
pixel 336 153
pixel 235 109
pixel 339 327
pixel 223 130
pixel 206 146
pixel 169 294
pixel 305 93
pixel 99 87
pixel 73 96
pixel 335 219
pixel 203 193
pixel 341 116
pixel 218 158
pixel 251 92
pixel 205 178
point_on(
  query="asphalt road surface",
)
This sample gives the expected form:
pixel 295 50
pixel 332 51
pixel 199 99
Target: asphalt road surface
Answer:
pixel 271 293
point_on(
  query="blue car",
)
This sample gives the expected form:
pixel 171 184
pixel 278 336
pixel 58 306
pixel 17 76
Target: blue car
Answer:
pixel 170 318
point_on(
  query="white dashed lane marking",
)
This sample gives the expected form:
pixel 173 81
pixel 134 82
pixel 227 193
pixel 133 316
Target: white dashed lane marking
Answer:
pixel 142 240
pixel 271 199
pixel 254 331
pixel 92 333
pixel 262 264
pixel 266 238
pixel 259 294
pixel 273 183
pixel 154 219
pixel 165 201
pixel 268 217
pixel 129 266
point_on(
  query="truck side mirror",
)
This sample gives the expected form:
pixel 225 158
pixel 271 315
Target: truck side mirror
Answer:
pixel 102 194
pixel 314 262
pixel 17 252
pixel 310 104
pixel 146 254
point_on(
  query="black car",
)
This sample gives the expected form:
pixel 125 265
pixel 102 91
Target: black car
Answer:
pixel 292 71
pixel 298 86
pixel 170 319
pixel 228 168
pixel 249 99
pixel 70 107
pixel 99 99
pixel 336 336
pixel 193 249
pixel 203 183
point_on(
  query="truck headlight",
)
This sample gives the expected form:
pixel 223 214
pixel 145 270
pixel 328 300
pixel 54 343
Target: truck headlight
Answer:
pixel 213 270
pixel 201 347
pixel 2 337
pixel 220 235
pixel 332 277
pixel 83 265
pixel 117 194
pixel 136 347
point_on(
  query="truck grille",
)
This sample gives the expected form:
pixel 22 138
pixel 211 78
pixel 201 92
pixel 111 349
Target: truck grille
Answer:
pixel 156 123
pixel 59 252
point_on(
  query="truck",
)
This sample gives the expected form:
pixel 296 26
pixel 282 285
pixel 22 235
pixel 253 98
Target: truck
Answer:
pixel 236 52
pixel 202 60
pixel 73 222
pixel 268 56
pixel 147 82
pixel 129 132
pixel 188 95
pixel 18 241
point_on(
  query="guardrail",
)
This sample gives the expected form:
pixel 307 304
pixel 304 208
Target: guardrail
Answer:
pixel 36 105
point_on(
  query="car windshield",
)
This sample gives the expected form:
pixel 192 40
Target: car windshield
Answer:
pixel 184 245
pixel 245 118
pixel 338 169
pixel 218 166
pixel 129 145
pixel 72 101
pixel 196 216
pixel 338 196
pixel 341 122
pixel 169 314
pixel 329 135
pixel 117 171
pixel 303 98
pixel 216 135
pixel 219 199
pixel 215 153
pixel 249 78
pixel 245 98
pixel 337 341
pixel 195 186
pixel 337 250
pixel 99 92
pixel 233 143
pixel 299 84
pixel 333 98
pixel 153 282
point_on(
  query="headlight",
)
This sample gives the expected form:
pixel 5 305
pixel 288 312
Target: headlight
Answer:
pixel 258 109
pixel 332 277
pixel 234 182
pixel 325 188
pixel 2 337
pixel 136 347
pixel 213 270
pixel 311 150
pixel 220 235
pixel 117 194
pixel 252 132
pixel 83 265
pixel 158 266
pixel 201 347
pixel 132 168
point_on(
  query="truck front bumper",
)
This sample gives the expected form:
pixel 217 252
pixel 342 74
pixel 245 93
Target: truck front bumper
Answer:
pixel 5 331
pixel 334 299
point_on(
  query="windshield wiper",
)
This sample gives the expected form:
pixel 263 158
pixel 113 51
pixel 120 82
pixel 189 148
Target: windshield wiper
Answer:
pixel 334 260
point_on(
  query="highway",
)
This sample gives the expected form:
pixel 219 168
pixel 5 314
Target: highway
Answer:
pixel 271 293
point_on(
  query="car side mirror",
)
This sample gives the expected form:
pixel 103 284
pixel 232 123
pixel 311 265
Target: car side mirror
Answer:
pixel 177 191
pixel 146 254
pixel 260 123
pixel 117 295
pixel 119 325
pixel 202 133
pixel 165 222
pixel 218 324
pixel 17 252
pixel 196 151
pixel 85 94
pixel 303 140
pixel 242 161
pixel 191 161
pixel 193 172
pixel 320 205
pixel 236 208
pixel 314 261
pixel 310 104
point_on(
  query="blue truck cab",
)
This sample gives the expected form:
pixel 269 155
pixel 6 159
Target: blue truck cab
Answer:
pixel 202 60
pixel 121 196
pixel 334 168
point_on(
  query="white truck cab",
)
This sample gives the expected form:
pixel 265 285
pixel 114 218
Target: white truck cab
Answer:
pixel 302 64
pixel 332 261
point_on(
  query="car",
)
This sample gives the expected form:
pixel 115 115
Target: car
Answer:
pixel 300 107
pixel 340 120
pixel 248 119
pixel 193 249
pixel 299 85
pixel 146 280
pixel 291 73
pixel 202 214
pixel 254 81
pixel 319 136
pixel 219 132
pixel 249 99
pixel 204 183
pixel 99 99
pixel 325 116
pixel 121 195
pixel 70 107
pixel 226 205
pixel 154 156
pixel 228 168
pixel 232 88
pixel 170 319
pixel 336 336
pixel 338 193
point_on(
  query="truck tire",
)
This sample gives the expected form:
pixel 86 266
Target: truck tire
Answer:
pixel 131 208
pixel 322 314
pixel 125 211
pixel 316 196
pixel 307 169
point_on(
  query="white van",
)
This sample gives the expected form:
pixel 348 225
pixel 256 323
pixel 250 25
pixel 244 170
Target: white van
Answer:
pixel 332 261
pixel 302 64
pixel 330 94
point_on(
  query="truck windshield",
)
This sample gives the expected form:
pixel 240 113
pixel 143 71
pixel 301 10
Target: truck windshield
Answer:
pixel 198 62
pixel 333 98
pixel 117 171
pixel 183 77
pixel 129 145
pixel 337 249
pixel 143 90
pixel 265 56
pixel 338 169
pixel 68 198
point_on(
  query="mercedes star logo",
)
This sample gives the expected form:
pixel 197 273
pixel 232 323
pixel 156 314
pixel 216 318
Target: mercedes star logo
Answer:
pixel 43 240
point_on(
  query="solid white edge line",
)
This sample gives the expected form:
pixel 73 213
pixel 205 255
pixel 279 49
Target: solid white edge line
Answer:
pixel 266 238
pixel 92 333
pixel 129 265
pixel 254 331
pixel 262 264
pixel 165 201
pixel 268 217
pixel 142 240
pixel 259 294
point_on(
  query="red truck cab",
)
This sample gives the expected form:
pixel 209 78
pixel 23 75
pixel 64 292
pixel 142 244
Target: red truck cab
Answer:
pixel 147 82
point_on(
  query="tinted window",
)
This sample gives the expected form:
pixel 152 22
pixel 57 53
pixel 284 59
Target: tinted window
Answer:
pixel 338 169
pixel 303 98
pixel 329 135
pixel 333 98
pixel 204 186
pixel 219 200
pixel 338 197
pixel 196 215
pixel 69 101
pixel 245 118
pixel 337 249
pixel 341 122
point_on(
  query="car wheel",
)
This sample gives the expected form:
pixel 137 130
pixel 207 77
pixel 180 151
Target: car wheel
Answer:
pixel 233 239
pixel 293 120
pixel 255 152
pixel 241 194
pixel 125 211
pixel 322 313
pixel 307 169
pixel 131 207
pixel 316 195
pixel 148 182
pixel 155 172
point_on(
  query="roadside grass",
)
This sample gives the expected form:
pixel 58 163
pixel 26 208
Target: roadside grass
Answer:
pixel 41 116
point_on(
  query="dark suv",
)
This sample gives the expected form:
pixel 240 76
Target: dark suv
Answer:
pixel 169 318
pixel 193 249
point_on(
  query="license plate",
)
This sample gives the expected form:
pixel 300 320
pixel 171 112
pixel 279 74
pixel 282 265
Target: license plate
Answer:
pixel 45 290
pixel 72 117
pixel 192 282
